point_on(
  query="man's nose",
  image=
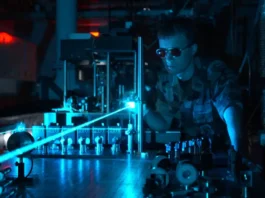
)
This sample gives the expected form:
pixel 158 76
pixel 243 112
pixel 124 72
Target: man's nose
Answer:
pixel 168 56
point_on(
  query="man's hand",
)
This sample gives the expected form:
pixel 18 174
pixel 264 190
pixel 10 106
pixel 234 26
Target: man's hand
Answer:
pixel 235 164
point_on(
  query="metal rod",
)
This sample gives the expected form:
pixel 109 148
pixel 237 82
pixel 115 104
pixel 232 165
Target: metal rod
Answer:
pixel 122 91
pixel 94 79
pixel 108 83
pixel 140 94
pixel 102 99
pixel 245 192
pixel 135 86
pixel 64 82
pixel 120 95
pixel 135 74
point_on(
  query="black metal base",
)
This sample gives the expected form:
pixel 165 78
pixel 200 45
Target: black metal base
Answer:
pixel 24 182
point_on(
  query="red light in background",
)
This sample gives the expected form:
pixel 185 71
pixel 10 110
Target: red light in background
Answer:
pixel 95 34
pixel 6 38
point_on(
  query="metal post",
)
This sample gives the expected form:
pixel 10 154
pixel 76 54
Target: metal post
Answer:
pixel 66 21
pixel 64 82
pixel 140 94
pixel 94 79
pixel 102 99
pixel 108 83
pixel 122 91
pixel 135 86
pixel 135 74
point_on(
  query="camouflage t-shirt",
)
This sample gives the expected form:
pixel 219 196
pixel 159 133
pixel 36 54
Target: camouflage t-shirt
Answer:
pixel 199 104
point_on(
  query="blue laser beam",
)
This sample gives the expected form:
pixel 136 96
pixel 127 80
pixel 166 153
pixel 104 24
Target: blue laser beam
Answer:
pixel 131 104
pixel 34 145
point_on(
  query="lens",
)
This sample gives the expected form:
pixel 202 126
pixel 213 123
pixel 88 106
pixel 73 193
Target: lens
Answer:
pixel 175 52
pixel 161 53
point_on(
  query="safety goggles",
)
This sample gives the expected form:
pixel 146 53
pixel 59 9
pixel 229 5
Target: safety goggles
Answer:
pixel 176 52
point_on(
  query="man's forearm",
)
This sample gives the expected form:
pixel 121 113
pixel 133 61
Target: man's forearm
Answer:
pixel 156 121
pixel 232 117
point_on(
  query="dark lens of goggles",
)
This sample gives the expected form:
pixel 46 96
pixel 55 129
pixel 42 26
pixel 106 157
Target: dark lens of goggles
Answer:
pixel 173 52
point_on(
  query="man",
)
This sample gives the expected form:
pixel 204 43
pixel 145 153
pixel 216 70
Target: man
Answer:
pixel 202 93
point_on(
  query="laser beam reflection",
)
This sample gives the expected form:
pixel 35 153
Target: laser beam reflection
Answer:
pixel 48 139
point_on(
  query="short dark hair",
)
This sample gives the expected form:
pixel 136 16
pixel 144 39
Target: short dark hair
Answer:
pixel 172 26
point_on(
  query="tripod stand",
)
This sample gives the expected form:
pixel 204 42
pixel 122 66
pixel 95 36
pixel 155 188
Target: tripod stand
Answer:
pixel 22 179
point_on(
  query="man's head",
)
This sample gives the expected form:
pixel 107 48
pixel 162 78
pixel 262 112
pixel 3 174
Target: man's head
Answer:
pixel 177 45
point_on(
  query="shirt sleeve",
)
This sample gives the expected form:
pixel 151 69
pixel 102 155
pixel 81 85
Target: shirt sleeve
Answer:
pixel 225 90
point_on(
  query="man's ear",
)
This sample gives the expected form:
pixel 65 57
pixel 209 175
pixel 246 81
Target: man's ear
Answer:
pixel 194 49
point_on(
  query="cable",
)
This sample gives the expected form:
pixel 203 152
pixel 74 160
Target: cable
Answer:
pixel 31 167
pixel 247 58
pixel 183 7
pixel 251 38
pixel 253 113
pixel 32 146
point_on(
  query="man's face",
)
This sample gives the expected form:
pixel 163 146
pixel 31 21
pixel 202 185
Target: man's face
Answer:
pixel 175 62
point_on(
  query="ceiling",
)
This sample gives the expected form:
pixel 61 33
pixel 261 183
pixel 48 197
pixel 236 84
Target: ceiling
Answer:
pixel 29 5
pixel 11 8
pixel 49 5
pixel 94 12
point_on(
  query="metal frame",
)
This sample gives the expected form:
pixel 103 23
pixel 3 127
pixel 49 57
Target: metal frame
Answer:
pixel 65 82
pixel 140 79
pixel 138 84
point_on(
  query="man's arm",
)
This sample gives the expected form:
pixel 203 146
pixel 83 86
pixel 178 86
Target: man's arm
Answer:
pixel 232 117
pixel 226 96
pixel 159 120
pixel 157 115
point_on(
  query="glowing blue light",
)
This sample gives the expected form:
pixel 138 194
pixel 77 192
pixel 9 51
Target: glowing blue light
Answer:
pixel 130 105
pixel 20 127
pixel 36 144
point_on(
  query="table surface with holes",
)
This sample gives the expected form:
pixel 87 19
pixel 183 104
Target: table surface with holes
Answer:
pixel 92 178
pixel 85 178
